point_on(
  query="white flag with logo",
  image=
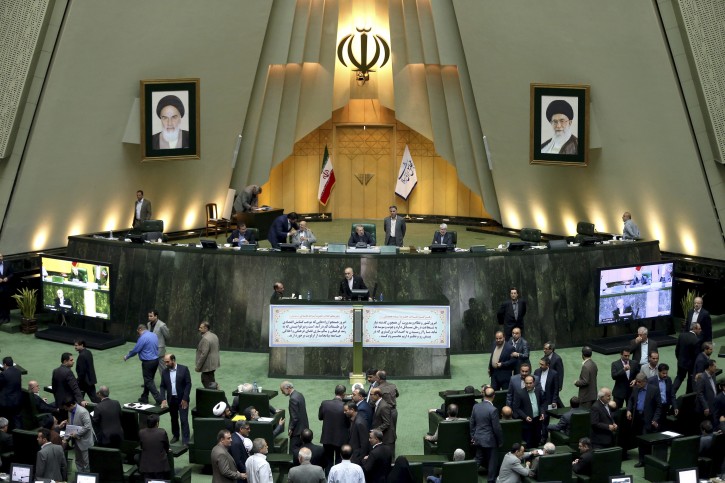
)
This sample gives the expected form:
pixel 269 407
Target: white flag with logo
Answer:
pixel 407 177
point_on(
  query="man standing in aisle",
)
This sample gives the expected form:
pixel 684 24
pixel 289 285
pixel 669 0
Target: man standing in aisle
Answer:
pixel 207 354
pixel 147 349
pixel 161 330
pixel 486 433
pixel 176 393
pixel 142 210
pixel 297 414
pixel 394 228
pixel 587 382
pixel 511 313
pixel 86 371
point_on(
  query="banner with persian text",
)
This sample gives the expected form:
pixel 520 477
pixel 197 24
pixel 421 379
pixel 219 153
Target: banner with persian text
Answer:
pixel 408 326
pixel 310 326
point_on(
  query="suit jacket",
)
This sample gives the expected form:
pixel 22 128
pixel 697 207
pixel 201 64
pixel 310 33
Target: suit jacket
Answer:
pixel 278 231
pixel 686 350
pixel 366 238
pixel 383 420
pixel 705 394
pixel 389 392
pixel 512 470
pixel 297 414
pixel 584 466
pixel 502 374
pixel 601 419
pixel 514 385
pixel 10 388
pixel 307 473
pixel 154 449
pixel 565 421
pixel 622 389
pixel 635 349
pixel 485 425
pixel 334 422
pixel 310 238
pixel 377 466
pixel 248 235
pixel 223 467
pixel 85 368
pixel 705 322
pixel 439 239
pixel 65 386
pixel 652 405
pixel 587 382
pixel 522 404
pixel 522 347
pixel 359 439
pixel 207 353
pixel 40 405
pixel 162 333
pixel 246 200
pixel 145 212
pixel 50 463
pixel 701 363
pixel 364 409
pixel 557 364
pixel 627 310
pixel 107 420
pixel 399 230
pixel 357 283
pixel 183 383
pixel 550 390
pixel 239 452
pixel 506 316
pixel 571 146
pixel 670 400
pixel 318 455
pixel 84 439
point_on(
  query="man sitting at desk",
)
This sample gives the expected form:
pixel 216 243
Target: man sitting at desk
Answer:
pixel 350 283
pixel 304 236
pixel 622 312
pixel 360 236
pixel 241 236
pixel 442 237
pixel 63 304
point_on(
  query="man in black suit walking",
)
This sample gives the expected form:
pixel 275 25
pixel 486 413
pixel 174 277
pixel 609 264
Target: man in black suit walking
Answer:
pixel 702 317
pixel 86 371
pixel 178 377
pixel 334 426
pixel 359 433
pixel 107 420
pixel 686 352
pixel 376 465
pixel 297 415
pixel 511 313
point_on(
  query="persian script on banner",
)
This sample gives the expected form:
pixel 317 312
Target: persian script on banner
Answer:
pixel 411 326
pixel 310 326
pixel 407 176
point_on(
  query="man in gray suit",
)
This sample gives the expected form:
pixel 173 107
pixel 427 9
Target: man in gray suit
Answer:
pixel 161 330
pixel 83 438
pixel 587 382
pixel 306 472
pixel 394 228
pixel 141 210
pixel 512 469
pixel 486 432
pixel 248 199
pixel 207 354
pixel 50 461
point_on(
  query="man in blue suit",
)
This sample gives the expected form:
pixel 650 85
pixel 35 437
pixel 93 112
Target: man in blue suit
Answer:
pixel 175 392
pixel 486 432
pixel 282 227
pixel 359 397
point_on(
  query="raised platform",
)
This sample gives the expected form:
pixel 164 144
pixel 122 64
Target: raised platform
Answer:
pixel 615 344
pixel 68 335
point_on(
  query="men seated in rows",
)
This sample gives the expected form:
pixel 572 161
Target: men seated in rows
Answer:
pixel 583 464
pixel 500 364
pixel 442 237
pixel 360 236
pixel 305 470
pixel 304 238
pixel 528 406
pixel 564 423
pixel 376 464
pixel 359 433
pixel 451 415
pixel 346 471
pixel 241 236
pixel 383 419
pixel 643 410
pixel 623 372
pixel 251 414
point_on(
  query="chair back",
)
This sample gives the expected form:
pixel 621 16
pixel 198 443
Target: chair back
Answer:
pixel 206 399
pixel 581 427
pixel 454 236
pixel 684 453
pixel 461 471
pixel 259 400
pixel 205 433
pixel 605 463
pixel 554 467
pixel 25 446
pixel 465 403
pixel 530 235
pixel 512 431
pixel 499 400
pixel 687 421
pixel 453 435
pixel 131 440
pixel 255 231
pixel 107 462
pixel 211 212
pixel 29 412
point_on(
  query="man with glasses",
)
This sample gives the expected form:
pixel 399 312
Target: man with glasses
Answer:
pixel 560 115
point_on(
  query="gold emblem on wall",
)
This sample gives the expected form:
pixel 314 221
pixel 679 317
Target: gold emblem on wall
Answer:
pixel 364 65
pixel 364 178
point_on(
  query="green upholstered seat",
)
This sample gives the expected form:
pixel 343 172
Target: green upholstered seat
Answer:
pixel 512 431
pixel 683 454
pixel 203 439
pixel 580 427
pixel 605 463
pixel 25 446
pixel 260 401
pixel 265 430
pixel 460 471
pixel 108 463
pixel 369 228
pixel 451 436
pixel 206 399
pixel 553 467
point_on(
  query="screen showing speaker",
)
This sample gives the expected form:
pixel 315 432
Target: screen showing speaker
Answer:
pixel 634 292
pixel 76 287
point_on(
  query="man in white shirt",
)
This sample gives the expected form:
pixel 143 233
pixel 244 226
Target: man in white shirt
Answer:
pixel 345 471
pixel 630 230
pixel 258 469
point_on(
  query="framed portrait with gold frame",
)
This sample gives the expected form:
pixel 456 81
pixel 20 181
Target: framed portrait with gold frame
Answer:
pixel 559 124
pixel 170 119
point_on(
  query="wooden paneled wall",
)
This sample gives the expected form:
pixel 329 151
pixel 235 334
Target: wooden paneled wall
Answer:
pixel 364 138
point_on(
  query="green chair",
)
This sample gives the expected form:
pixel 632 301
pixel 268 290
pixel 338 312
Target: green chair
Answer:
pixel 259 400
pixel 131 440
pixel 280 462
pixel 255 231
pixel 512 431
pixel 259 429
pixel 451 436
pixel 25 446
pixel 499 400
pixel 465 403
pixel 369 228
pixel 605 463
pixel 460 471
pixel 179 475
pixel 434 420
pixel 206 399
pixel 108 463
pixel 710 463
pixel 580 427
pixel 683 454
pixel 686 422
pixel 204 439
pixel 29 412
pixel 553 467
pixel 416 469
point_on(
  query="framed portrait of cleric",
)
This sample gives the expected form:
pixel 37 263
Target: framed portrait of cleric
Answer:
pixel 170 119
pixel 559 124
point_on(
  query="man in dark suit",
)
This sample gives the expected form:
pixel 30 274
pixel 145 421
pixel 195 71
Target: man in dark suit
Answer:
pixel 517 382
pixel 376 465
pixel 520 350
pixel 686 352
pixel 623 373
pixel 603 425
pixel 548 381
pixel 153 462
pixel 529 407
pixel 359 433
pixel 42 405
pixel 317 451
pixel 623 312
pixel 702 317
pixel 383 418
pixel 11 393
pixel 643 409
pixel 360 236
pixel 334 426
pixel 141 210
pixel 50 463
pixel 667 394
pixel 702 360
pixel 564 422
pixel 349 283
pixel 511 313
pixel 359 397
pixel 62 303
pixel 241 236
pixel 107 420
pixel 6 276
pixel 642 346
pixel 706 391
pixel 282 227
pixel 556 364
pixel 501 364
pixel 297 415
pixel 394 227
pixel 178 401
pixel 86 371
pixel 486 432
pixel 241 445
pixel 442 237
pixel 587 382
pixel 64 383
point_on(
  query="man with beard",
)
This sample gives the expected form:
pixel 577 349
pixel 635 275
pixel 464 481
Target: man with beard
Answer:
pixel 141 210
pixel 560 114
pixel 170 110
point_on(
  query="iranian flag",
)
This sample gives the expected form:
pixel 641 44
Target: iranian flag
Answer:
pixel 327 179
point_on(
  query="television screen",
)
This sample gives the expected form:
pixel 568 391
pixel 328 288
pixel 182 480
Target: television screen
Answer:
pixel 634 292
pixel 86 477
pixel 687 475
pixel 20 473
pixel 76 287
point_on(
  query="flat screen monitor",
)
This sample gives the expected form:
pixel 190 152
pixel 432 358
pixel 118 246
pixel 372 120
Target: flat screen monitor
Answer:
pixel 359 294
pixel 287 247
pixel 20 473
pixel 437 248
pixel 621 479
pixel 634 292
pixel 73 286
pixel 87 478
pixel 687 475
pixel 209 244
